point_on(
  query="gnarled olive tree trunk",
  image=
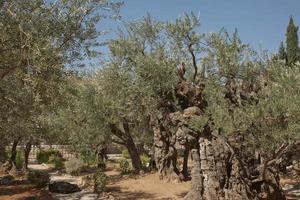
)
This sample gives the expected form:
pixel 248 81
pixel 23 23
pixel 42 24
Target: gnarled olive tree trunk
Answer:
pixel 165 153
pixel 185 171
pixel 219 175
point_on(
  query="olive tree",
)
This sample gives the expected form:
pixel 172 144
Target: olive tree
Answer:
pixel 39 40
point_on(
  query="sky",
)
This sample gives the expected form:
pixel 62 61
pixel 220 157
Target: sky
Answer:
pixel 260 23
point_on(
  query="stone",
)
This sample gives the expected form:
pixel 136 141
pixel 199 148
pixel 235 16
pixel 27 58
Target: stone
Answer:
pixel 63 187
pixel 189 112
pixel 7 180
pixel 176 118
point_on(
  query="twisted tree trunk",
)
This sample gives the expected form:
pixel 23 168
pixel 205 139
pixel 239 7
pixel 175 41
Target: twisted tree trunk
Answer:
pixel 185 172
pixel 197 178
pixel 124 138
pixel 165 153
pixel 134 155
pixel 26 155
pixel 13 155
pixel 219 175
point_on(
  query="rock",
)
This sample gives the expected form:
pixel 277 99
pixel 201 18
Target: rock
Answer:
pixel 188 112
pixel 176 118
pixel 7 180
pixel 63 187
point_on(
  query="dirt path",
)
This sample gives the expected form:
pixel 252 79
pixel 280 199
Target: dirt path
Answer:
pixel 145 187
pixel 21 191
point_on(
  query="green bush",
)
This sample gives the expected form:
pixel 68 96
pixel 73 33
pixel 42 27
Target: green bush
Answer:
pixel 89 159
pixel 74 166
pixel 145 159
pixel 57 161
pixel 44 155
pixel 39 178
pixel 19 159
pixel 124 167
pixel 125 154
pixel 100 180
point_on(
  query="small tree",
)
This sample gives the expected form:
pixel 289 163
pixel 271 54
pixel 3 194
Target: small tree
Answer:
pixel 292 48
pixel 282 52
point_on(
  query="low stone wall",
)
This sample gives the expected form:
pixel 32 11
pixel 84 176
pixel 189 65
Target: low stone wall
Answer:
pixel 65 150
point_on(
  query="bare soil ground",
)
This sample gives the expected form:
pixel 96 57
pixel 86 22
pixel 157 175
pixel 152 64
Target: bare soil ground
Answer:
pixel 21 191
pixel 135 187
pixel 147 187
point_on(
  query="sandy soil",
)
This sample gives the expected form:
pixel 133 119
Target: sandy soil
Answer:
pixel 142 187
pixel 22 191
pixel 148 187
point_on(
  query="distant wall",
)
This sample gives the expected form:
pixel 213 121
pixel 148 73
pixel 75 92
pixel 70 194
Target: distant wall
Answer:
pixel 65 150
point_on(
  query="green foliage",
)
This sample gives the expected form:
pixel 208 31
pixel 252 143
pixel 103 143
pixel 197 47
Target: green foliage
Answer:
pixel 100 181
pixel 43 156
pixel 282 52
pixel 39 178
pixel 124 166
pixel 145 160
pixel 42 41
pixel 19 159
pixel 74 166
pixel 89 159
pixel 125 154
pixel 292 47
pixel 57 161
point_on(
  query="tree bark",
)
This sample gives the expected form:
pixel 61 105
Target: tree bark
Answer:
pixel 185 171
pixel 165 153
pixel 134 155
pixel 14 151
pixel 26 155
pixel 197 178
pixel 124 138
pixel 213 177
pixel 102 158
pixel 2 153
pixel 219 175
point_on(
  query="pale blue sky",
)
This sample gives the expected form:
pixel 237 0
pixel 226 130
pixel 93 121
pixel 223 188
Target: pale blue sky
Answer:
pixel 261 23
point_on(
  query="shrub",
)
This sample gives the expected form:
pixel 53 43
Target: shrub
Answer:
pixel 19 159
pixel 39 178
pixel 145 159
pixel 90 159
pixel 56 161
pixel 74 166
pixel 100 180
pixel 44 155
pixel 124 167
pixel 125 154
